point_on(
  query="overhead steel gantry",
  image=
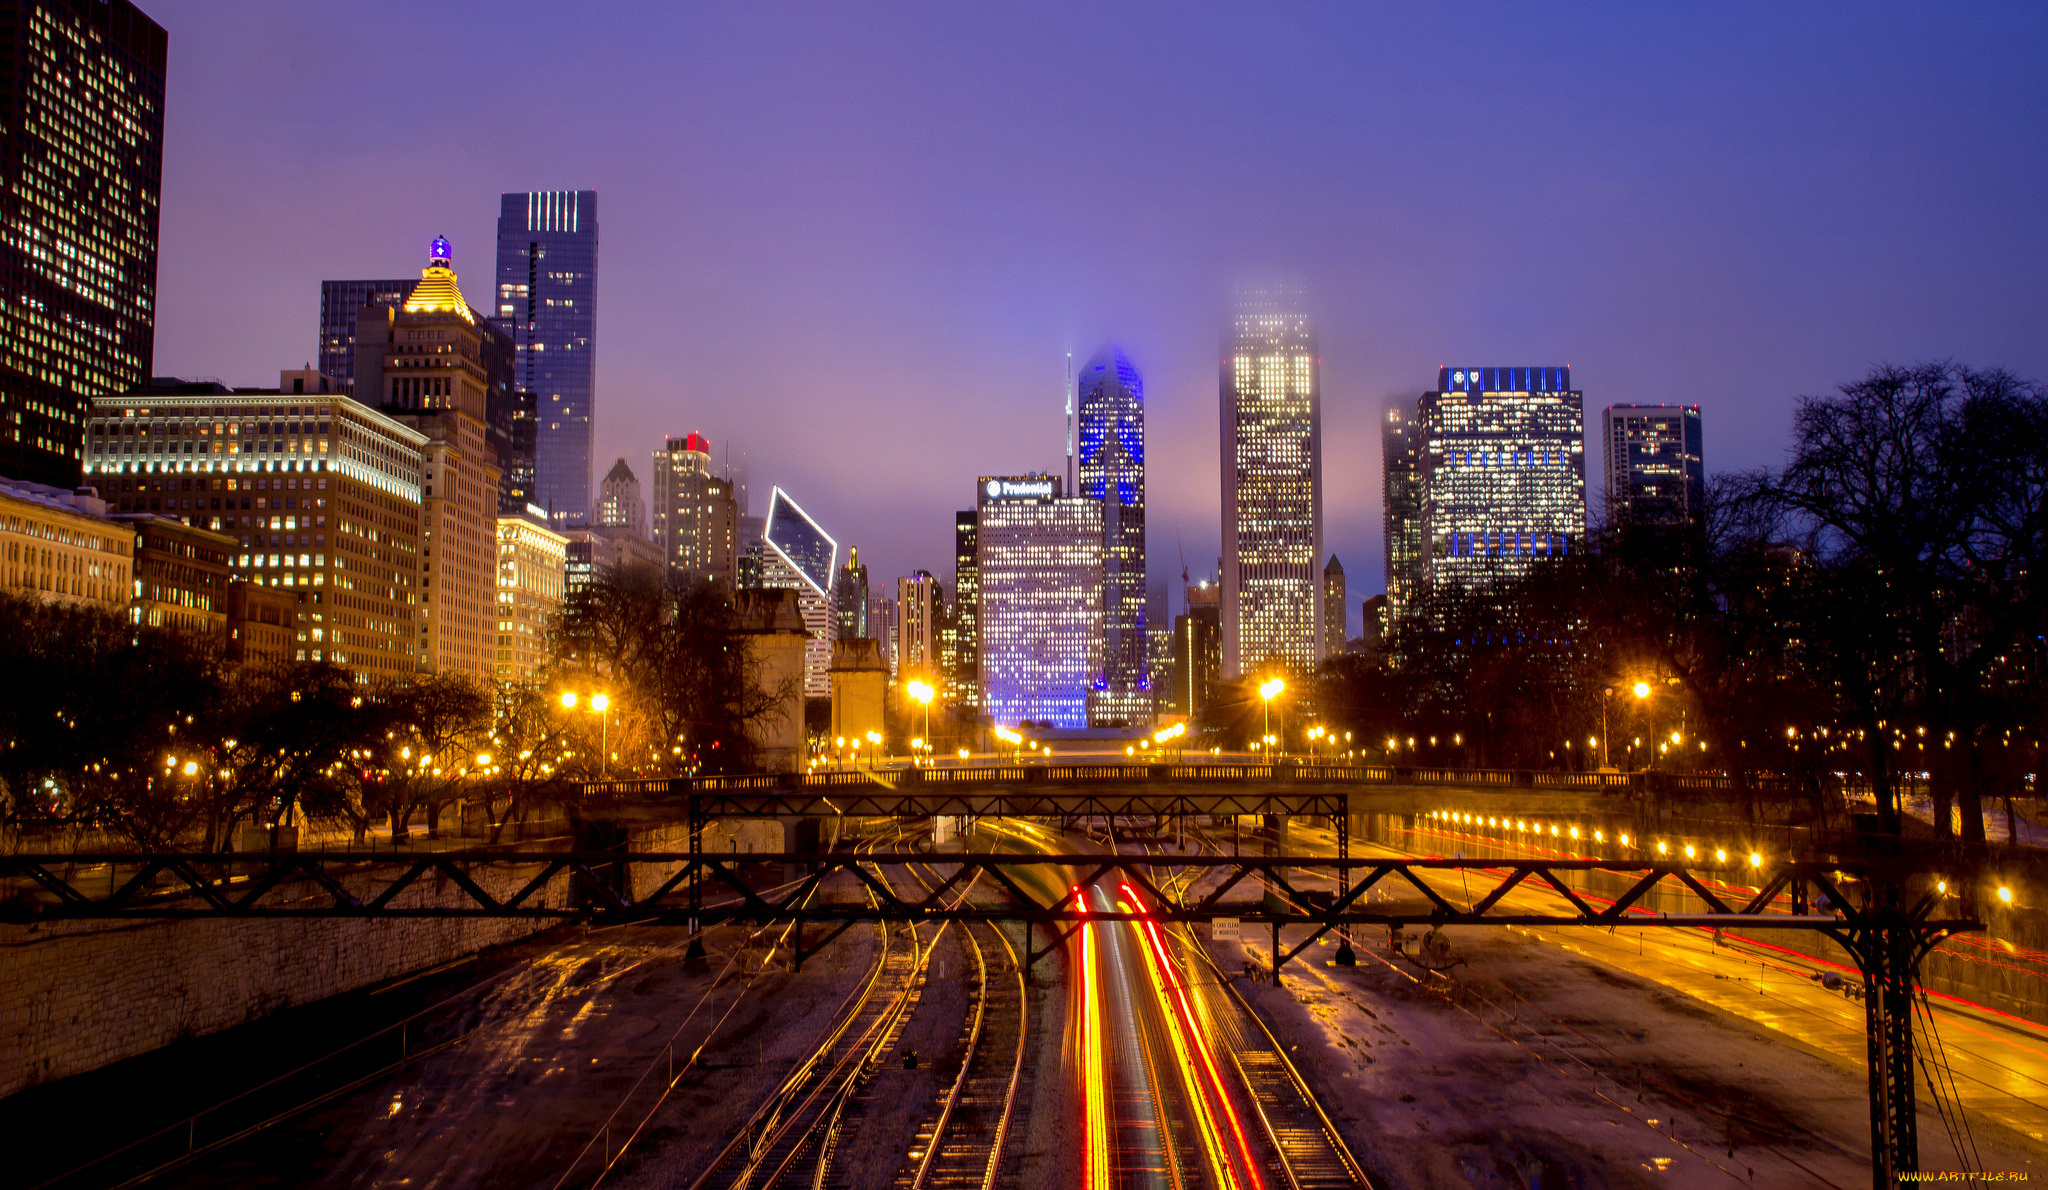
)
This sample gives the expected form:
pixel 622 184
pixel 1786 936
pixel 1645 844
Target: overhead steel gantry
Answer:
pixel 1888 913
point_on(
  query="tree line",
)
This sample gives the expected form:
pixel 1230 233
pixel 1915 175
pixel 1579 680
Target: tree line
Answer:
pixel 155 736
pixel 1870 612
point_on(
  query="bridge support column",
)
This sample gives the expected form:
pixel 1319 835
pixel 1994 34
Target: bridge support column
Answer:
pixel 696 948
pixel 1888 949
pixel 1346 957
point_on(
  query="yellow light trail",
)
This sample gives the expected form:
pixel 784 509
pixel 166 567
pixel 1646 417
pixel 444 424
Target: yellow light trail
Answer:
pixel 1199 1075
pixel 1094 1080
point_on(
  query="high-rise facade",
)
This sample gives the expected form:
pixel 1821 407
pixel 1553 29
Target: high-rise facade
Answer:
pixel 1271 438
pixel 801 556
pixel 619 505
pixel 1197 648
pixel 882 626
pixel 1040 566
pixel 1336 620
pixel 82 92
pixel 1401 512
pixel 322 495
pixel 1504 480
pixel 966 677
pixel 850 599
pixel 696 517
pixel 1112 470
pixel 547 302
pixel 1655 470
pixel 340 303
pixel 532 582
pixel 426 362
pixel 919 602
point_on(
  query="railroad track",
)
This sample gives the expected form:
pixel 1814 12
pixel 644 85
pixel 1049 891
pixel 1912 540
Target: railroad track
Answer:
pixel 962 1146
pixel 1307 1151
pixel 792 1138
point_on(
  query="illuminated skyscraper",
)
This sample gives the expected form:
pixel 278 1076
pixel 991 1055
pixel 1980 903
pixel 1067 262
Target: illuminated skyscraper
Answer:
pixel 1401 482
pixel 919 603
pixel 1504 479
pixel 340 303
pixel 547 301
pixel 850 599
pixel 966 685
pixel 82 92
pixel 1271 438
pixel 802 557
pixel 696 519
pixel 424 363
pixel 619 505
pixel 1655 473
pixel 1040 564
pixel 1112 470
pixel 1336 621
pixel 1197 649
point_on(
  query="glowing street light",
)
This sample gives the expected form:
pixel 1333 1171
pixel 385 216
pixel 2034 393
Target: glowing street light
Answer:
pixel 1269 690
pixel 922 691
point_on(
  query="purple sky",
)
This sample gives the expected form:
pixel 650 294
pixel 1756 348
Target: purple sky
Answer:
pixel 860 243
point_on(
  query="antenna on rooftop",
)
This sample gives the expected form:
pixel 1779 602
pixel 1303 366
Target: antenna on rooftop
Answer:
pixel 1070 423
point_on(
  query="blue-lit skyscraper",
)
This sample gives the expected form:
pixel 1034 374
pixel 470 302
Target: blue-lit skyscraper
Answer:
pixel 547 302
pixel 1502 452
pixel 1112 470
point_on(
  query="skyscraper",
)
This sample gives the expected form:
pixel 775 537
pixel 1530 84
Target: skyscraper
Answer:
pixel 619 505
pixel 1197 648
pixel 425 360
pixel 1040 565
pixel 1504 482
pixel 1336 620
pixel 802 557
pixel 966 685
pixel 1271 439
pixel 1401 487
pixel 1655 473
pixel 1112 470
pixel 340 303
pixel 696 519
pixel 82 89
pixel 850 599
pixel 547 301
pixel 919 601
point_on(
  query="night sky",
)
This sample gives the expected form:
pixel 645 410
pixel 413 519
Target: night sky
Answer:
pixel 859 242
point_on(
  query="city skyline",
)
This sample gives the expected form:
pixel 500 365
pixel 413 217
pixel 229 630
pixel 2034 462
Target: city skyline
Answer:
pixel 1677 244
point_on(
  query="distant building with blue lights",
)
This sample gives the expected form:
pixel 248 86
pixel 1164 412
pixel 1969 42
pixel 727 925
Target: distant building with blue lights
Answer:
pixel 547 302
pixel 1112 470
pixel 1502 454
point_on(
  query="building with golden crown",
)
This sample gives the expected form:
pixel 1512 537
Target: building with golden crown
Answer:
pixel 422 363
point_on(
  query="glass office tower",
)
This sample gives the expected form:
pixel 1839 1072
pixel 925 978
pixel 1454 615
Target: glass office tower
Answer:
pixel 1271 437
pixel 82 89
pixel 1112 470
pixel 547 302
pixel 1401 481
pixel 802 557
pixel 340 303
pixel 965 688
pixel 1655 473
pixel 1040 566
pixel 1504 471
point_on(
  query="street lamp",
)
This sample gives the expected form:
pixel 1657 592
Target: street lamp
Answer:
pixel 602 704
pixel 1269 690
pixel 922 692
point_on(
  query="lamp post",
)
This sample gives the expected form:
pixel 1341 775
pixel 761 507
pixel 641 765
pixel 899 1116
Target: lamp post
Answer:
pixel 602 704
pixel 1268 691
pixel 921 691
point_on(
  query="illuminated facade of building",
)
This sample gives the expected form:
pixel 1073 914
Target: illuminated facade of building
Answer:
pixel 850 599
pixel 1504 480
pixel 696 516
pixel 532 582
pixel 82 89
pixel 1401 488
pixel 321 494
pixel 1040 565
pixel 802 557
pixel 1271 438
pixel 965 685
pixel 1655 471
pixel 1112 470
pixel 428 358
pixel 919 604
pixel 57 546
pixel 547 302
pixel 593 550
pixel 619 505
pixel 1197 648
pixel 181 573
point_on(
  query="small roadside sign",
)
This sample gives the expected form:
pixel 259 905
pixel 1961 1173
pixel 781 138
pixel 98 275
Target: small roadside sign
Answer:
pixel 1223 929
